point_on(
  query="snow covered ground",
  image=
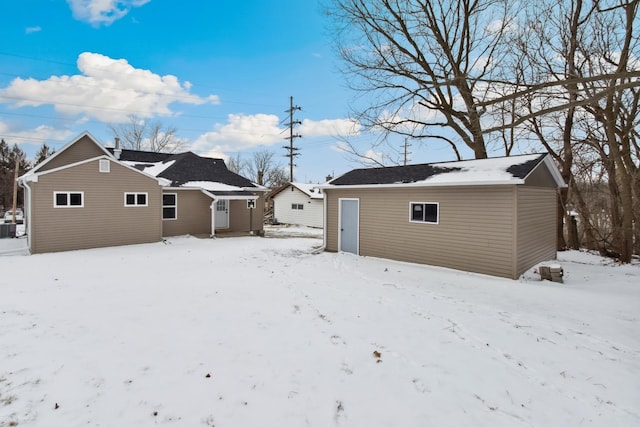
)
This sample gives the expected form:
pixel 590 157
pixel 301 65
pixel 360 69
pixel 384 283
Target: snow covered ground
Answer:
pixel 268 332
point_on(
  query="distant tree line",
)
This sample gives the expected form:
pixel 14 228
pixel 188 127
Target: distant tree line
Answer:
pixel 10 156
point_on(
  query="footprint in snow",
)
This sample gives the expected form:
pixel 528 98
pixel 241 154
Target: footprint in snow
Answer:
pixel 420 386
pixel 335 340
pixel 340 415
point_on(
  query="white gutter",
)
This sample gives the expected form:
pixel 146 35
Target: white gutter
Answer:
pixel 213 218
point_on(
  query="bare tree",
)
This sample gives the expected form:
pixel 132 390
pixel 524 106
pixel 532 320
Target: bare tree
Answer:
pixel 547 50
pixel 618 113
pixel 143 135
pixel 578 95
pixel 236 164
pixel 380 154
pixel 422 65
pixel 263 169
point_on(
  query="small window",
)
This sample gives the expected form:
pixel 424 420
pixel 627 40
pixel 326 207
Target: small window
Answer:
pixel 68 199
pixel 424 212
pixel 135 199
pixel 297 206
pixel 169 206
pixel 105 166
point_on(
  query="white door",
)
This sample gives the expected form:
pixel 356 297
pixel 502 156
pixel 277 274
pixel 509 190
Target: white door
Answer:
pixel 348 227
pixel 222 214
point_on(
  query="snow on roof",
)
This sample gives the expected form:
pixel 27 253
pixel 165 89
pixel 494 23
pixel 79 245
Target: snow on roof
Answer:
pixel 211 186
pixel 153 169
pixel 499 170
pixel 482 170
pixel 309 189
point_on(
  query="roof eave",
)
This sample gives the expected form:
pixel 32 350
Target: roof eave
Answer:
pixel 421 184
pixel 69 144
pixel 553 169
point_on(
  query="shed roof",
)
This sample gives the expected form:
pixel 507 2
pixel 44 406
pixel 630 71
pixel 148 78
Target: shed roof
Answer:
pixel 310 190
pixel 494 171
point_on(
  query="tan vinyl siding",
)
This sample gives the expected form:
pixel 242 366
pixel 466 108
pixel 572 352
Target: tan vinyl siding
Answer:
pixel 331 220
pixel 475 230
pixel 194 214
pixel 536 230
pixel 104 220
pixel 239 219
pixel 83 149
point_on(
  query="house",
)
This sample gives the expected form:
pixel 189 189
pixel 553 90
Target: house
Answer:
pixel 87 196
pixel 190 184
pixel 299 204
pixel 493 216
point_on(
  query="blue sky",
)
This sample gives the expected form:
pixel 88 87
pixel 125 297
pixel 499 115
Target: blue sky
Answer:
pixel 220 72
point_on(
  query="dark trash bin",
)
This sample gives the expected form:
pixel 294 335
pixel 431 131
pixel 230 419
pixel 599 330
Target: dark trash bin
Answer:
pixel 7 230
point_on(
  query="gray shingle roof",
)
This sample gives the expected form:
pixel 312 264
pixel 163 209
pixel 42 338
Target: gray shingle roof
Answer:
pixel 186 167
pixel 517 167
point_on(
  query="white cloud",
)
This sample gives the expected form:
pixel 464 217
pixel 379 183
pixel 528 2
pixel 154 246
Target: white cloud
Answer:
pixel 107 89
pixel 242 132
pixel 344 127
pixel 36 136
pixel 30 30
pixel 375 158
pixel 239 133
pixel 105 12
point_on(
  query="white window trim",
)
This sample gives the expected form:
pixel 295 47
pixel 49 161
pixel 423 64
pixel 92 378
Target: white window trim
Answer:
pixel 135 195
pixel 424 222
pixel 105 166
pixel 175 206
pixel 68 193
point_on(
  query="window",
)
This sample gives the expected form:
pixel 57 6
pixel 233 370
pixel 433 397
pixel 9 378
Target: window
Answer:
pixel 105 166
pixel 298 206
pixel 68 199
pixel 169 206
pixel 424 212
pixel 135 199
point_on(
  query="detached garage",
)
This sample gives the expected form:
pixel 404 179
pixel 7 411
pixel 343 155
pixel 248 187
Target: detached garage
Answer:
pixel 491 216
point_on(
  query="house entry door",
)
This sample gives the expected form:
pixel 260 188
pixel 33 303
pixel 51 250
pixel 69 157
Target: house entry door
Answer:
pixel 222 214
pixel 348 232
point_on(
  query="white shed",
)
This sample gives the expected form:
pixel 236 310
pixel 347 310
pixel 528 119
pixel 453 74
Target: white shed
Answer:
pixel 298 204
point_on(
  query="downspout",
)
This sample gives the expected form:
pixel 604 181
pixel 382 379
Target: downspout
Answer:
pixel 324 220
pixel 27 215
pixel 213 219
pixel 514 234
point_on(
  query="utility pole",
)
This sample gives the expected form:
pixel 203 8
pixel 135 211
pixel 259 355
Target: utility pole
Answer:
pixel 291 150
pixel 405 147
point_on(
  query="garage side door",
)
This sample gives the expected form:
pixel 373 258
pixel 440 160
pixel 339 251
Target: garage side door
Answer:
pixel 349 225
